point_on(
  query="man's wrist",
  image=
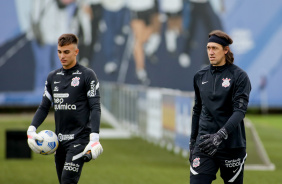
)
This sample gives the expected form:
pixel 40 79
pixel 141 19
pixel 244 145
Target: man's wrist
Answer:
pixel 223 133
pixel 94 137
pixel 31 128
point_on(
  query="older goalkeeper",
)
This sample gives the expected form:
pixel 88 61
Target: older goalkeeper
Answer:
pixel 218 139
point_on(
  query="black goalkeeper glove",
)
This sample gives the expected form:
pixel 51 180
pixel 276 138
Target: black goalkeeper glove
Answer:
pixel 212 141
pixel 191 148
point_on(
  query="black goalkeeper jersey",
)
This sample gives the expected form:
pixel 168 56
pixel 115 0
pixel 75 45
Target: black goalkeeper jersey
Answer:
pixel 221 100
pixel 74 94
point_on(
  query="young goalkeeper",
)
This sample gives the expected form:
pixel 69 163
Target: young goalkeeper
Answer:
pixel 73 90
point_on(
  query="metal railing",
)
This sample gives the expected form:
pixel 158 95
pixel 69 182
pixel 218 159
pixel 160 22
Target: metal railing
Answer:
pixel 159 115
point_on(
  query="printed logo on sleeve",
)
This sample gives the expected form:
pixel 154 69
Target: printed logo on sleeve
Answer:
pixel 92 91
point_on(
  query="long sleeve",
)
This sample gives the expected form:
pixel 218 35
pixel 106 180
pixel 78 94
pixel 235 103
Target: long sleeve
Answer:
pixel 196 112
pixel 93 95
pixel 240 102
pixel 44 107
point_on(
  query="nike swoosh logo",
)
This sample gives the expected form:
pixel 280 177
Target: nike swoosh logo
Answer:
pixel 205 82
pixel 76 145
pixel 235 170
pixel 55 82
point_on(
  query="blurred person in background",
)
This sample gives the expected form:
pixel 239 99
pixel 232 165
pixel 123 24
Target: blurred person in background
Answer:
pixel 218 139
pixel 173 12
pixel 45 26
pixel 116 22
pixel 144 23
pixel 74 92
pixel 86 24
pixel 203 16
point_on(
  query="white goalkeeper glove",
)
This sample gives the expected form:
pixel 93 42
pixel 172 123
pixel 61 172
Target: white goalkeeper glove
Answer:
pixel 94 146
pixel 32 136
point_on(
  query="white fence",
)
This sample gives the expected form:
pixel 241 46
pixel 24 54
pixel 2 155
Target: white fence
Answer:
pixel 162 116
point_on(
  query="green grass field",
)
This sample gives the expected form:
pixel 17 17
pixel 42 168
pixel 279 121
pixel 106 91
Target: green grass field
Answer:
pixel 128 161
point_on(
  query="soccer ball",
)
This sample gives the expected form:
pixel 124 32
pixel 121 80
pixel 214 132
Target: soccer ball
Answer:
pixel 50 142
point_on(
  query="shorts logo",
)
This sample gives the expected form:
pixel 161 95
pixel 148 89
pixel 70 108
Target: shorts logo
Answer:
pixel 233 163
pixel 70 166
pixel 196 162
pixel 75 81
pixel 226 82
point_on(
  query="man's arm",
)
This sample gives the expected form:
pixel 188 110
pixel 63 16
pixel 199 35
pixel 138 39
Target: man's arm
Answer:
pixel 93 96
pixel 240 103
pixel 196 112
pixel 38 119
pixel 195 119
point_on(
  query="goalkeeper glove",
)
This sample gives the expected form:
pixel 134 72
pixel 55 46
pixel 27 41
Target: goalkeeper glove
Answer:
pixel 191 148
pixel 32 136
pixel 94 146
pixel 212 141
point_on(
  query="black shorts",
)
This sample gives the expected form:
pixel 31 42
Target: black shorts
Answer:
pixel 230 162
pixel 146 15
pixel 69 162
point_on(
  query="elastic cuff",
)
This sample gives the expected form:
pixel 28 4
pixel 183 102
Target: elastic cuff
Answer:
pixel 224 133
pixel 31 128
pixel 94 137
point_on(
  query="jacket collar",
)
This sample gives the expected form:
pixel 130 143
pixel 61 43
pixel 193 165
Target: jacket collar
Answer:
pixel 218 68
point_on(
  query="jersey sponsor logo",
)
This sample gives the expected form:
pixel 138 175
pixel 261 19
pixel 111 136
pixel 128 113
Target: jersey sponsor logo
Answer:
pixel 60 73
pixel 65 106
pixel 75 81
pixel 77 72
pixel 65 137
pixel 70 166
pixel 57 82
pixel 92 91
pixel 61 95
pixel 226 82
pixel 59 102
pixel 205 82
pixel 233 163
pixel 196 162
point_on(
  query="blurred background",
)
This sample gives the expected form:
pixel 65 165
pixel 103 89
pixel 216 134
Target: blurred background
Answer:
pixel 157 43
pixel 145 54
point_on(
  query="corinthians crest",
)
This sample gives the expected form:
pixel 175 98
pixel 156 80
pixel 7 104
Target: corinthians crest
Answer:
pixel 196 162
pixel 75 81
pixel 226 82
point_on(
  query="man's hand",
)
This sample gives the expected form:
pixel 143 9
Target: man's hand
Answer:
pixel 94 146
pixel 32 136
pixel 191 148
pixel 212 141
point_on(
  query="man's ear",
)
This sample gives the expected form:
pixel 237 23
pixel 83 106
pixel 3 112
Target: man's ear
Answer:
pixel 226 49
pixel 76 51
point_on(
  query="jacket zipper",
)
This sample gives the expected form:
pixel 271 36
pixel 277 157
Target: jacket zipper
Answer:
pixel 214 83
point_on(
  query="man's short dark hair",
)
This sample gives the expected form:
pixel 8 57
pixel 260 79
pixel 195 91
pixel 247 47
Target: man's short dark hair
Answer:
pixel 67 39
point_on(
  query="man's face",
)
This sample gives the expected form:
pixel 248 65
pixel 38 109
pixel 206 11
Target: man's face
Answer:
pixel 67 55
pixel 216 53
